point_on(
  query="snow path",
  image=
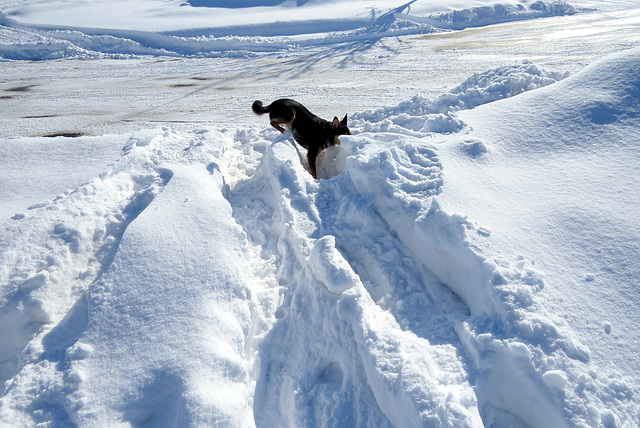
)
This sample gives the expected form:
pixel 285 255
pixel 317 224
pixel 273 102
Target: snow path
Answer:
pixel 314 274
pixel 378 214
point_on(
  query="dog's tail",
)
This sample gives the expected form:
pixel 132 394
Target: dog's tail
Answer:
pixel 258 108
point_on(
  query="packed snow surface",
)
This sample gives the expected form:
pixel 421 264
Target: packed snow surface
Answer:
pixel 468 257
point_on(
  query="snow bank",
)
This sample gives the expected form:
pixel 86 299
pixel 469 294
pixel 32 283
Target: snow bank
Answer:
pixel 164 323
pixel 49 30
pixel 420 116
pixel 496 13
pixel 556 178
pixel 168 320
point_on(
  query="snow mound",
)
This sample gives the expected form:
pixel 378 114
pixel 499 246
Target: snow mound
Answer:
pixel 551 141
pixel 330 267
pixel 420 116
pixel 496 13
pixel 94 284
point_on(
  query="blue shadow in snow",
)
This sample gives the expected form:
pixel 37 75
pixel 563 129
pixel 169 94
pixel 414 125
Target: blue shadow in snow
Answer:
pixel 161 402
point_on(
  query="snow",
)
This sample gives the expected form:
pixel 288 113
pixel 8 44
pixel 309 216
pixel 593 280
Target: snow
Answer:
pixel 468 256
pixel 49 29
pixel 61 163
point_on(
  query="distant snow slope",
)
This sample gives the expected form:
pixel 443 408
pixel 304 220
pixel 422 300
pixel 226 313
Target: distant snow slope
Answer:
pixel 40 30
pixel 205 278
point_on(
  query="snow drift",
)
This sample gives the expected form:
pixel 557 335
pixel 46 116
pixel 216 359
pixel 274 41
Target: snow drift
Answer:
pixel 468 260
pixel 205 278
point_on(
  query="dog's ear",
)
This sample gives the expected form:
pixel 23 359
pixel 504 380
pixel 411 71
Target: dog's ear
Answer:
pixel 336 123
pixel 344 121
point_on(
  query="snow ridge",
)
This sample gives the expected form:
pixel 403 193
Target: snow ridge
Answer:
pixel 421 117
pixel 66 244
pixel 493 14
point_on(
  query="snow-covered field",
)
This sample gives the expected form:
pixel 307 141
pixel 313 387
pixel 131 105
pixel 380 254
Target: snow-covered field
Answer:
pixel 470 255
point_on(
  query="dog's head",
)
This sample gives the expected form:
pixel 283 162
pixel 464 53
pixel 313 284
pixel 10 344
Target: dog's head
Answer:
pixel 339 127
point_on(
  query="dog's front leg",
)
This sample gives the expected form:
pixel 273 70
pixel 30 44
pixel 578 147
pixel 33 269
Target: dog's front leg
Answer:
pixel 312 154
pixel 278 126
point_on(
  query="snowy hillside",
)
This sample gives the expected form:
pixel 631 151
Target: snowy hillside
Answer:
pixel 209 28
pixel 467 257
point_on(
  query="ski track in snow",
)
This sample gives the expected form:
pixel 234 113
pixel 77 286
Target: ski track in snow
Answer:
pixel 417 327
